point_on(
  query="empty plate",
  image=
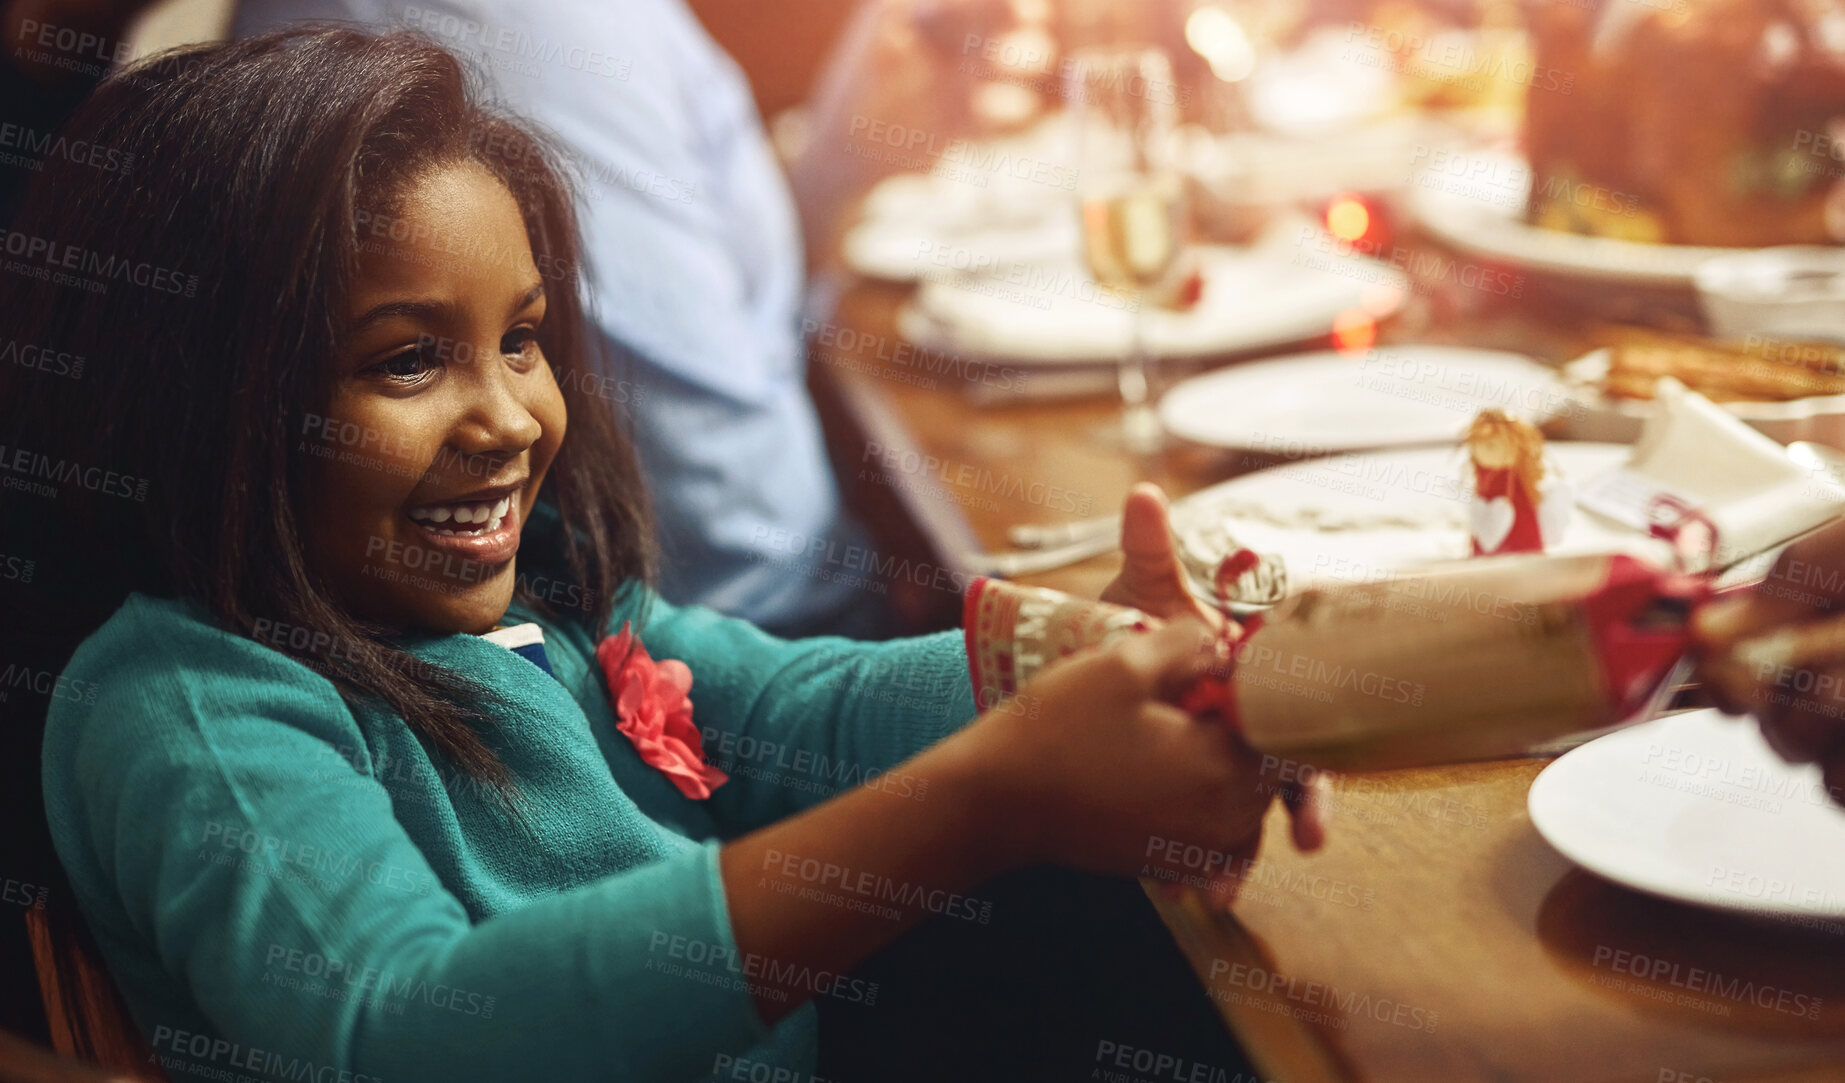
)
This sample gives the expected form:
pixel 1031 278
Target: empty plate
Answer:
pixel 1696 807
pixel 1392 396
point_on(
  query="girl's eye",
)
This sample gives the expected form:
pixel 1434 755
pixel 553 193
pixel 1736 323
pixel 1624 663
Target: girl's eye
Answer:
pixel 518 340
pixel 406 366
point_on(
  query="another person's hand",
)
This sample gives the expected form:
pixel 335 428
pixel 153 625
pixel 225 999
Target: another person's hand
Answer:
pixel 1094 768
pixel 1779 653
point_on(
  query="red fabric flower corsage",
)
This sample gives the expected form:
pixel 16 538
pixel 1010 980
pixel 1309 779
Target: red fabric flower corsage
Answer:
pixel 653 709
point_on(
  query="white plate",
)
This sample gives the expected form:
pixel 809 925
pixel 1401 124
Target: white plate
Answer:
pixel 1593 415
pixel 1392 396
pixel 1350 518
pixel 1696 807
pixel 1475 201
pixel 1280 291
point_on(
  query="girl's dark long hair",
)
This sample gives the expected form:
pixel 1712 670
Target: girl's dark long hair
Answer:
pixel 169 300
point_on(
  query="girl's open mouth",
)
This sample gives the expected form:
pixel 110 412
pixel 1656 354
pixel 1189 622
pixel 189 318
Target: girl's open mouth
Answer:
pixel 486 531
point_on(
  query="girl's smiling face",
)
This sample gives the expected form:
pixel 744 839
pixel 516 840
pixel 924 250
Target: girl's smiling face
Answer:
pixel 443 415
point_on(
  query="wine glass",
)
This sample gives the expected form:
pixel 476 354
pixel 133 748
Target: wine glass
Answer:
pixel 1123 106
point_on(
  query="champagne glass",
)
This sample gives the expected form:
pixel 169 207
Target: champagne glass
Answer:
pixel 1123 106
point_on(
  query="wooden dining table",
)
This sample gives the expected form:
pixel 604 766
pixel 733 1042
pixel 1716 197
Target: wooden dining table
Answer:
pixel 1436 936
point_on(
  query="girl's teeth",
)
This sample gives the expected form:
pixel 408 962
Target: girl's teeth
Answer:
pixel 470 519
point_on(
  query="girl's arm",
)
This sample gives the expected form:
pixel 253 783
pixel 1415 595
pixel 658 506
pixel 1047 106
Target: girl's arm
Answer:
pixel 1102 774
pixel 217 841
pixel 796 722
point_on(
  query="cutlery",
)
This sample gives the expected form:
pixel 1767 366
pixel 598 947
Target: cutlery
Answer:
pixel 1034 536
pixel 1014 564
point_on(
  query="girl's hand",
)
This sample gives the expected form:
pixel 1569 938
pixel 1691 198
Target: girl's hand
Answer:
pixel 1091 766
pixel 1151 579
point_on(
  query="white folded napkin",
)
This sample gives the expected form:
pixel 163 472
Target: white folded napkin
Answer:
pixel 1697 455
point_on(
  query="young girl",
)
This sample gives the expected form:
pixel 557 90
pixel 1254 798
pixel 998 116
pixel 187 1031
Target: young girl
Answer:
pixel 378 760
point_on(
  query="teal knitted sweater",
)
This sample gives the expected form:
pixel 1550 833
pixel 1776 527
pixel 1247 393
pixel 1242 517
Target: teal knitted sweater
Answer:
pixel 287 889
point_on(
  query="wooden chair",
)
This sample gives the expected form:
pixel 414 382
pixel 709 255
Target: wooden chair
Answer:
pixel 88 1018
pixel 22 1061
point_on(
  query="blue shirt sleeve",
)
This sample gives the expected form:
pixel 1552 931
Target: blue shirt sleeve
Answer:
pixel 794 722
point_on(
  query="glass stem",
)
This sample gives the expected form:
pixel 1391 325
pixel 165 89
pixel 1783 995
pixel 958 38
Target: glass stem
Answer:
pixel 1140 425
